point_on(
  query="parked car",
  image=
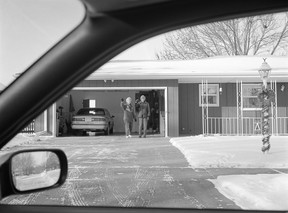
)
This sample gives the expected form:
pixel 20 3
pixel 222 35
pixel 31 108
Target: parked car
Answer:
pixel 93 120
pixel 107 29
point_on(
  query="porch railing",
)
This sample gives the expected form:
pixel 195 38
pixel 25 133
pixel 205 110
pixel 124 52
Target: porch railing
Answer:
pixel 30 129
pixel 282 126
pixel 244 126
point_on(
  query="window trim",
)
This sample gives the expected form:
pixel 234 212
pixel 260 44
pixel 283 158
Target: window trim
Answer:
pixel 252 109
pixel 217 95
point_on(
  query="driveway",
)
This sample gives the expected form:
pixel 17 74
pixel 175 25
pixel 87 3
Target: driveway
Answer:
pixel 115 171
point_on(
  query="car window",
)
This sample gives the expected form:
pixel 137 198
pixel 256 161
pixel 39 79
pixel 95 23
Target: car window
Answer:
pixel 107 113
pixel 200 121
pixel 91 112
pixel 40 31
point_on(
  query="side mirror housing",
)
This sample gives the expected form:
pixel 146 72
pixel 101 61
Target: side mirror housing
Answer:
pixel 112 116
pixel 29 171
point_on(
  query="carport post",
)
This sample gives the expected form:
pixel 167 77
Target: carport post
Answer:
pixel 54 120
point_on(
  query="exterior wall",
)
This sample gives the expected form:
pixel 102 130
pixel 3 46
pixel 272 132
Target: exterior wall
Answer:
pixel 50 120
pixel 282 100
pixel 282 110
pixel 228 101
pixel 173 110
pixel 39 123
pixel 190 113
pixel 172 85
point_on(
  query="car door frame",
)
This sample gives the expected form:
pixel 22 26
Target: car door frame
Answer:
pixel 61 68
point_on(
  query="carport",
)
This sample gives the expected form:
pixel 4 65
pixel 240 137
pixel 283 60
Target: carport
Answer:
pixel 109 98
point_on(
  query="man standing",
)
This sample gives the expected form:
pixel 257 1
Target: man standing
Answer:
pixel 143 109
pixel 129 115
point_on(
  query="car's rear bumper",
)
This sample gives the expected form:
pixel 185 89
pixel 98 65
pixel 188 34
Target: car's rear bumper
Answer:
pixel 90 127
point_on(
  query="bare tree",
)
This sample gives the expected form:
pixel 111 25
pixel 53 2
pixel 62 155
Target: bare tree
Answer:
pixel 266 34
pixel 23 163
pixel 53 162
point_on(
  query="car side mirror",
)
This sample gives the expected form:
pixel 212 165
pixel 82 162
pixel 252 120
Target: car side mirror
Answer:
pixel 30 171
pixel 112 116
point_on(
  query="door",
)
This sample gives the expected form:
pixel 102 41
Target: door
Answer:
pixel 89 103
pixel 152 97
pixel 86 103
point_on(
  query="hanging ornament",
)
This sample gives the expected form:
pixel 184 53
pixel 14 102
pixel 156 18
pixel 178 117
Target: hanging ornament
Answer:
pixel 266 97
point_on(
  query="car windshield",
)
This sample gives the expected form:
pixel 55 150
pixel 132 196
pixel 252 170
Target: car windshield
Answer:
pixel 91 112
pixel 200 115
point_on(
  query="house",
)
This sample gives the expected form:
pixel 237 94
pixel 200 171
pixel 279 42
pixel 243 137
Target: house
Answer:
pixel 177 90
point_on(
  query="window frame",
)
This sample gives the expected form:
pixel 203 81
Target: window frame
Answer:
pixel 247 108
pixel 217 95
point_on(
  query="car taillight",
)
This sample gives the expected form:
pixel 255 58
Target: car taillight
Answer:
pixel 98 119
pixel 78 119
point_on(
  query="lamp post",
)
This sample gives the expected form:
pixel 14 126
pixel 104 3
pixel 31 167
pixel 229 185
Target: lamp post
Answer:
pixel 266 96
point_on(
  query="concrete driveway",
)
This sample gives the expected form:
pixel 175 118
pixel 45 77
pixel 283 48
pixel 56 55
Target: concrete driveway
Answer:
pixel 115 171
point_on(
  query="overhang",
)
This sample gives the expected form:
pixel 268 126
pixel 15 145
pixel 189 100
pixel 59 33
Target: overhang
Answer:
pixel 216 69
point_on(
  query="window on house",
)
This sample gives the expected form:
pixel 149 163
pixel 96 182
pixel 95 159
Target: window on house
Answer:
pixel 211 94
pixel 250 96
pixel 92 103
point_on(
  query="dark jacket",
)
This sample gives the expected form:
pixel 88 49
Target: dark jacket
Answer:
pixel 129 113
pixel 143 109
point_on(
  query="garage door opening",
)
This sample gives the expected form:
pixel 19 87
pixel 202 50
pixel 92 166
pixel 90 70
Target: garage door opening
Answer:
pixel 109 98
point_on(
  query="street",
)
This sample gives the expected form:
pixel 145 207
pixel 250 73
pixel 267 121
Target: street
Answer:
pixel 44 179
pixel 135 172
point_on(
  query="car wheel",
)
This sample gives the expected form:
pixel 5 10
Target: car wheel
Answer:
pixel 75 132
pixel 107 131
pixel 84 133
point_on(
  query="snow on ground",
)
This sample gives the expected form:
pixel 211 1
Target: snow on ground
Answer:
pixel 232 151
pixel 255 192
pixel 34 181
pixel 23 138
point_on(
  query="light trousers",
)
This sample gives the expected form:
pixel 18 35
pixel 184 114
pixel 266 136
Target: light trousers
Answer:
pixel 143 125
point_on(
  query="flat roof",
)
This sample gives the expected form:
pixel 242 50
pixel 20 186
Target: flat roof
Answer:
pixel 217 69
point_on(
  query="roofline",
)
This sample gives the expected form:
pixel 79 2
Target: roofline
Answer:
pixel 192 79
pixel 219 68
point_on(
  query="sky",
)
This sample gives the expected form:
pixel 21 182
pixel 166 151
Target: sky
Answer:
pixel 145 50
pixel 29 28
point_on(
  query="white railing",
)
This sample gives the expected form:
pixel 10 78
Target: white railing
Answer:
pixel 252 126
pixel 30 129
pixel 222 125
pixel 282 126
pixel 244 126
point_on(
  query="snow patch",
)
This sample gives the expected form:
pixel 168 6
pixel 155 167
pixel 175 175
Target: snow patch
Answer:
pixel 255 192
pixel 232 151
pixel 24 139
pixel 168 178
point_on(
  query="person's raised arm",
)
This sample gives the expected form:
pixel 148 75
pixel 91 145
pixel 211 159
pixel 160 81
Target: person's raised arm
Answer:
pixel 137 102
pixel 122 104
